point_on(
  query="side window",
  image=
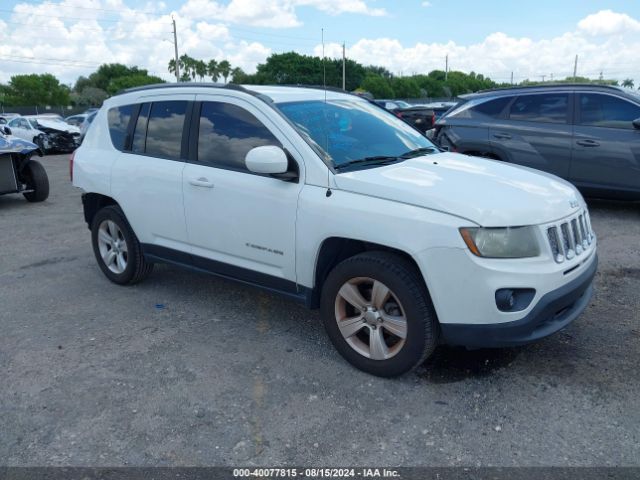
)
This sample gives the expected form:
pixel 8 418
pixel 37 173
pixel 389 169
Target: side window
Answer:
pixel 140 132
pixel 607 111
pixel 492 108
pixel 544 108
pixel 164 129
pixel 227 132
pixel 118 119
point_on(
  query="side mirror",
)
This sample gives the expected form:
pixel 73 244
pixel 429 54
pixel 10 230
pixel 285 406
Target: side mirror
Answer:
pixel 636 123
pixel 6 130
pixel 267 159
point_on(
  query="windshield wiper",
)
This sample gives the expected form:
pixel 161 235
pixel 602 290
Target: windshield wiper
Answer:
pixel 419 151
pixel 385 159
pixel 376 160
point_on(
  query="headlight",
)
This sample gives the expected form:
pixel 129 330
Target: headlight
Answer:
pixel 510 242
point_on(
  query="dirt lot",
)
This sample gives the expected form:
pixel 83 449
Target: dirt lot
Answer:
pixel 187 369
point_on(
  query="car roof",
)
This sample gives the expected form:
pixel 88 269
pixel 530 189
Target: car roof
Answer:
pixel 275 93
pixel 557 87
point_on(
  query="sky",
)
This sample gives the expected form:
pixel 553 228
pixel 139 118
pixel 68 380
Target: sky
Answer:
pixel 70 38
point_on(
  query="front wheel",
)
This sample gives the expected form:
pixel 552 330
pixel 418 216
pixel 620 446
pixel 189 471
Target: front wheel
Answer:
pixel 378 314
pixel 37 182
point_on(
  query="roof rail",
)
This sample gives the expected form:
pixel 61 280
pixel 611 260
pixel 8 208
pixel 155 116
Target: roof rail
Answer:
pixel 154 86
pixel 549 85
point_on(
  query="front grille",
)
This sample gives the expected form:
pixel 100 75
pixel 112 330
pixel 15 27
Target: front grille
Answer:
pixel 570 238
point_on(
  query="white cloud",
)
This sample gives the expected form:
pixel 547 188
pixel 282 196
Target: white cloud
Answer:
pixel 606 22
pixel 426 4
pixel 500 54
pixel 207 29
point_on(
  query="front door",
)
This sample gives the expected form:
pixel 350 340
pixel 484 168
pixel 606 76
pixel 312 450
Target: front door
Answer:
pixel 536 133
pixel 606 146
pixel 239 223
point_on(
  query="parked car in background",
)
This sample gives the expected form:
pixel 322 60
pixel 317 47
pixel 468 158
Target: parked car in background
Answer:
pixel 86 124
pixel 587 134
pixel 331 201
pixel 421 118
pixel 439 108
pixel 19 173
pixel 6 117
pixel 77 120
pixel 48 133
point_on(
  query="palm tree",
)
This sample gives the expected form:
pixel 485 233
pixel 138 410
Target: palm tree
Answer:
pixel 627 83
pixel 213 71
pixel 224 67
pixel 188 67
pixel 200 69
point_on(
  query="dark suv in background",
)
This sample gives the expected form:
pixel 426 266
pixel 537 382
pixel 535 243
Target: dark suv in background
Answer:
pixel 587 134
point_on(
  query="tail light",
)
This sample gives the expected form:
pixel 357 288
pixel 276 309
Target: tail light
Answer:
pixel 433 120
pixel 73 154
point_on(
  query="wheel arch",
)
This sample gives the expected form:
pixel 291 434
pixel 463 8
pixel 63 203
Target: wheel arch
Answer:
pixel 92 203
pixel 334 250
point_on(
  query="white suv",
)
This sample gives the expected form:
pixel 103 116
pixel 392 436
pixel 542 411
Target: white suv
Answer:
pixel 331 201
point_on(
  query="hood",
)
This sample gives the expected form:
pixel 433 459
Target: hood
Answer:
pixel 487 192
pixel 11 144
pixel 57 125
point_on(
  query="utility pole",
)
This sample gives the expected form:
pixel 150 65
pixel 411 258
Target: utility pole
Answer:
pixel 575 69
pixel 551 77
pixel 511 78
pixel 344 60
pixel 446 67
pixel 543 78
pixel 175 46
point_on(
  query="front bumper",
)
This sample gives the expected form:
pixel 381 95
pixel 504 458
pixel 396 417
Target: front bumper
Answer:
pixel 554 311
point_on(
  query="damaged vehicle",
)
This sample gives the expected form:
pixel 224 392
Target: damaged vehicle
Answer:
pixel 19 173
pixel 48 133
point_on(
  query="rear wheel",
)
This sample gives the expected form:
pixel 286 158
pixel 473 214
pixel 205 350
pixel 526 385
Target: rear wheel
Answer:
pixel 117 249
pixel 378 313
pixel 35 177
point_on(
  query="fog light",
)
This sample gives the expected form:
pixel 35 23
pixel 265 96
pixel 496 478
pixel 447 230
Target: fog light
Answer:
pixel 505 299
pixel 514 299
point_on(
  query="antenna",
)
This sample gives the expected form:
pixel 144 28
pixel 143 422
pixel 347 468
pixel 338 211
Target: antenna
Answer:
pixel 324 86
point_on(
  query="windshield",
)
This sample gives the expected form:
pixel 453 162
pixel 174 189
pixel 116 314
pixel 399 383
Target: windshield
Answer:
pixel 402 104
pixel 346 130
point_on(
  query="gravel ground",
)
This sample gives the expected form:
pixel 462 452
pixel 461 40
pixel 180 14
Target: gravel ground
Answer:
pixel 187 369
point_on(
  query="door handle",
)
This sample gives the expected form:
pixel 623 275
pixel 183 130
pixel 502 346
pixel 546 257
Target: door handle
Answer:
pixel 502 136
pixel 201 182
pixel 588 143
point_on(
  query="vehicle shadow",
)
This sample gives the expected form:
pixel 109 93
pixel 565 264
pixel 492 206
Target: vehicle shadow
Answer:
pixel 455 364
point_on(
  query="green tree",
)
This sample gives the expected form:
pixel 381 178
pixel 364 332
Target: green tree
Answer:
pixel 213 70
pixel 33 89
pixel 131 81
pixel 627 83
pixel 405 87
pixel 89 96
pixel 200 68
pixel 377 86
pixel 224 67
pixel 237 74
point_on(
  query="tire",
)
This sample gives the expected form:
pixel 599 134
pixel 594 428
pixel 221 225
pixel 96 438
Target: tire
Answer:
pixel 117 248
pixel 372 274
pixel 35 177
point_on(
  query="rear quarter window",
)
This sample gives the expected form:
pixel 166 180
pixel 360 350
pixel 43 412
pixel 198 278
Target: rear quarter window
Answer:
pixel 118 119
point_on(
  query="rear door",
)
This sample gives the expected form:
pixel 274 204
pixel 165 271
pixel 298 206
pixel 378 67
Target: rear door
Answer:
pixel 606 147
pixel 146 177
pixel 536 132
